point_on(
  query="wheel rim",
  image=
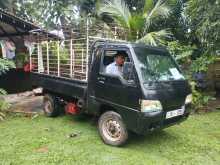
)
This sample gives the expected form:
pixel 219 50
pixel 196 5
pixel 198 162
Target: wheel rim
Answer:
pixel 48 107
pixel 112 130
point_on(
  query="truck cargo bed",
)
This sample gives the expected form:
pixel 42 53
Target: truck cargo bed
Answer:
pixel 59 85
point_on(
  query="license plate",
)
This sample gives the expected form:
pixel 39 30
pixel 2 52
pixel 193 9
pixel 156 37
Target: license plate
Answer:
pixel 175 113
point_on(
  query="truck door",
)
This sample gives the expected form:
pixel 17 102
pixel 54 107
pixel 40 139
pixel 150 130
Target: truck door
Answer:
pixel 113 89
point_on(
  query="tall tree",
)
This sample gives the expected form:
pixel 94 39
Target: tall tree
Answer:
pixel 50 14
pixel 204 20
pixel 176 22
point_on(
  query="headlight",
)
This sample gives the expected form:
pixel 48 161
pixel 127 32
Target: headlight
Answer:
pixel 188 99
pixel 151 106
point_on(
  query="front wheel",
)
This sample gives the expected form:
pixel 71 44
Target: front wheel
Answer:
pixel 112 129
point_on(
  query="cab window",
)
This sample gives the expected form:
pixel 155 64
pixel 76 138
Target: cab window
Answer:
pixel 110 66
pixel 109 57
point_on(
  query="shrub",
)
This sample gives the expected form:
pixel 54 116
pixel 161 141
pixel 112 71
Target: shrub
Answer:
pixel 201 64
pixel 5 65
pixel 200 99
pixel 181 52
pixel 3 104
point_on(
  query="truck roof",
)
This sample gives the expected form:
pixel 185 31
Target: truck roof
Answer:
pixel 159 48
pixel 132 44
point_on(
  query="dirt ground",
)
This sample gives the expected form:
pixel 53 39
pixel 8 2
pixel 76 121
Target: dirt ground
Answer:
pixel 26 102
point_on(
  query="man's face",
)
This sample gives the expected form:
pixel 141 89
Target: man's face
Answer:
pixel 120 60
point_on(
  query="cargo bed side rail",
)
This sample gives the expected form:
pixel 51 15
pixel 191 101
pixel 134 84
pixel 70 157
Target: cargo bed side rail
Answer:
pixel 69 58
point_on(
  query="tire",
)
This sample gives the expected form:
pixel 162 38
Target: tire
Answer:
pixel 51 106
pixel 112 129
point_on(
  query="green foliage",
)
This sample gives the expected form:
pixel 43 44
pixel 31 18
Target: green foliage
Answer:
pixel 138 25
pixel 2 92
pixel 200 99
pixel 180 51
pixel 183 54
pixel 201 64
pixel 63 52
pixel 50 14
pixel 3 104
pixel 5 65
pixel 155 38
pixel 21 59
pixel 64 56
pixel 203 16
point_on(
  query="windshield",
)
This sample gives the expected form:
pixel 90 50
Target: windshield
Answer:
pixel 157 66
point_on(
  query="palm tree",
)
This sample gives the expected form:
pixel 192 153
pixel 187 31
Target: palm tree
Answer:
pixel 138 25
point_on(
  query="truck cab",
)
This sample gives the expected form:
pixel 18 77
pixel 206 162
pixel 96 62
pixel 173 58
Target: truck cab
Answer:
pixel 151 94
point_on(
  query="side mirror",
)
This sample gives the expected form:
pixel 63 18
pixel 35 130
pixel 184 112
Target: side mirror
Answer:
pixel 128 73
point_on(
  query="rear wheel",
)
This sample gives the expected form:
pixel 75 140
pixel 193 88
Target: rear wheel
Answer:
pixel 51 106
pixel 112 129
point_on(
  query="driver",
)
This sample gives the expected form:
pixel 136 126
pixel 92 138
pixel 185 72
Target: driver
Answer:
pixel 116 68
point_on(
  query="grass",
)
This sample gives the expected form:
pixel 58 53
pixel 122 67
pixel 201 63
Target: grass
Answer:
pixel 46 141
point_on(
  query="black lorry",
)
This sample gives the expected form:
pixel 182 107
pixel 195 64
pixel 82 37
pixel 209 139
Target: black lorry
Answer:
pixel 152 93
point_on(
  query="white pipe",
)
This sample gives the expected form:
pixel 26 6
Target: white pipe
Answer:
pixel 48 62
pixel 82 60
pixel 71 58
pixel 58 59
pixel 87 48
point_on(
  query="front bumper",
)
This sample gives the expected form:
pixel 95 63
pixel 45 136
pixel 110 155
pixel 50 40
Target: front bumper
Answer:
pixel 149 122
